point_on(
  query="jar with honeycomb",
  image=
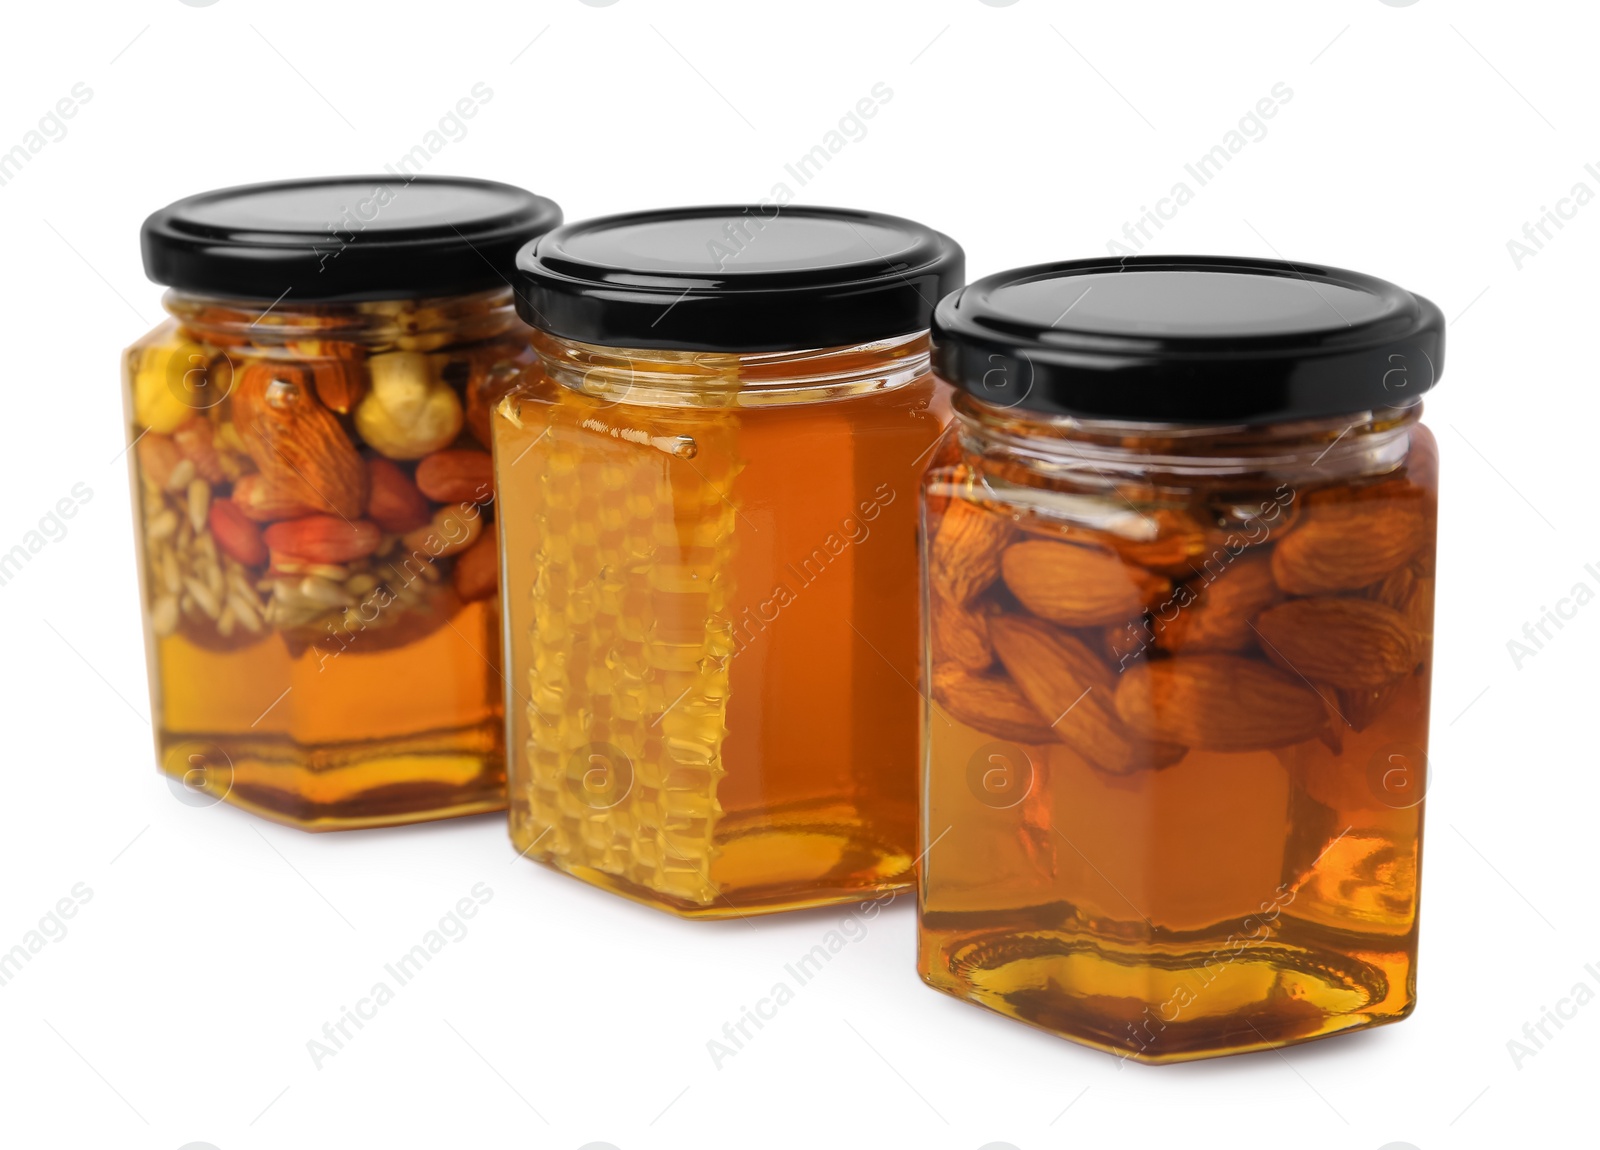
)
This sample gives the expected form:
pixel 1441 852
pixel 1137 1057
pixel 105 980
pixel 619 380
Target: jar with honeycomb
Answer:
pixel 314 496
pixel 708 513
pixel 1178 600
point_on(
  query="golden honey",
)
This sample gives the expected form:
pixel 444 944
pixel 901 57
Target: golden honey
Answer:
pixel 708 559
pixel 333 689
pixel 308 446
pixel 1179 653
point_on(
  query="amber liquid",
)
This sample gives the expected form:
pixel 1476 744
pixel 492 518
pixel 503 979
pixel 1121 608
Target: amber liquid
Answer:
pixel 712 637
pixel 382 708
pixel 1228 902
pixel 331 736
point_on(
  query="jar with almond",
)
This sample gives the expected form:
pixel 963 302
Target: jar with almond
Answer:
pixel 1178 604
pixel 314 494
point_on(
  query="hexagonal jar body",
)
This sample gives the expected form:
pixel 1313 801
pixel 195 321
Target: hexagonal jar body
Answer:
pixel 1179 649
pixel 710 557
pixel 314 500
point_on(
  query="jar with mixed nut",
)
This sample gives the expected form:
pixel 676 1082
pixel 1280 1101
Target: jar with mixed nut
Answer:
pixel 708 510
pixel 1178 596
pixel 310 460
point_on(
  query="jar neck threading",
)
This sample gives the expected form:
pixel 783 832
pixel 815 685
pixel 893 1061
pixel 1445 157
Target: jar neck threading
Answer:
pixel 658 377
pixel 371 323
pixel 1344 446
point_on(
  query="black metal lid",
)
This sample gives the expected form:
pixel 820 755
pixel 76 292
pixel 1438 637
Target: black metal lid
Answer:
pixel 737 278
pixel 1188 339
pixel 344 238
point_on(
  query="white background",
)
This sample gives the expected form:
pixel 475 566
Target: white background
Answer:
pixel 1418 141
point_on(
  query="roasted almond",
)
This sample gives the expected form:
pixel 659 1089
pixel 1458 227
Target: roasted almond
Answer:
pixel 1127 642
pixel 1167 540
pixel 194 438
pixel 293 437
pixel 964 558
pixel 485 373
pixel 1218 703
pixel 477 572
pixel 1409 591
pixel 265 499
pixel 341 383
pixel 450 532
pixel 1345 546
pixel 1072 691
pixel 1345 642
pixel 236 535
pixel 158 456
pixel 1364 706
pixel 393 501
pixel 960 635
pixel 322 539
pixel 989 703
pixel 457 476
pixel 1078 586
pixel 1215 614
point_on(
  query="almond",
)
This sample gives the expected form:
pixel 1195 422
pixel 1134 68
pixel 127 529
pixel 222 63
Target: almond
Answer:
pixel 340 383
pixel 159 456
pixel 393 501
pixel 1072 691
pixel 1344 642
pixel 1343 546
pixel 964 558
pixel 293 437
pixel 989 703
pixel 1409 592
pixel 1126 642
pixel 322 539
pixel 960 635
pixel 235 534
pixel 1216 615
pixel 477 573
pixel 1078 586
pixel 1361 708
pixel 266 500
pixel 458 476
pixel 1167 540
pixel 485 373
pixel 194 438
pixel 1218 703
pixel 450 532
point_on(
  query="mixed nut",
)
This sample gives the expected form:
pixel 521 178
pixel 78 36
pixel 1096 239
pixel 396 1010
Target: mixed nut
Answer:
pixel 314 487
pixel 1301 620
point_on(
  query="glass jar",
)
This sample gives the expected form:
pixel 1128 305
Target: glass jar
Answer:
pixel 1178 595
pixel 314 495
pixel 708 511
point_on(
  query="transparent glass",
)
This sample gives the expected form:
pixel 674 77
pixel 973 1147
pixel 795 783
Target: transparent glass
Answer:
pixel 710 564
pixel 1176 742
pixel 314 501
